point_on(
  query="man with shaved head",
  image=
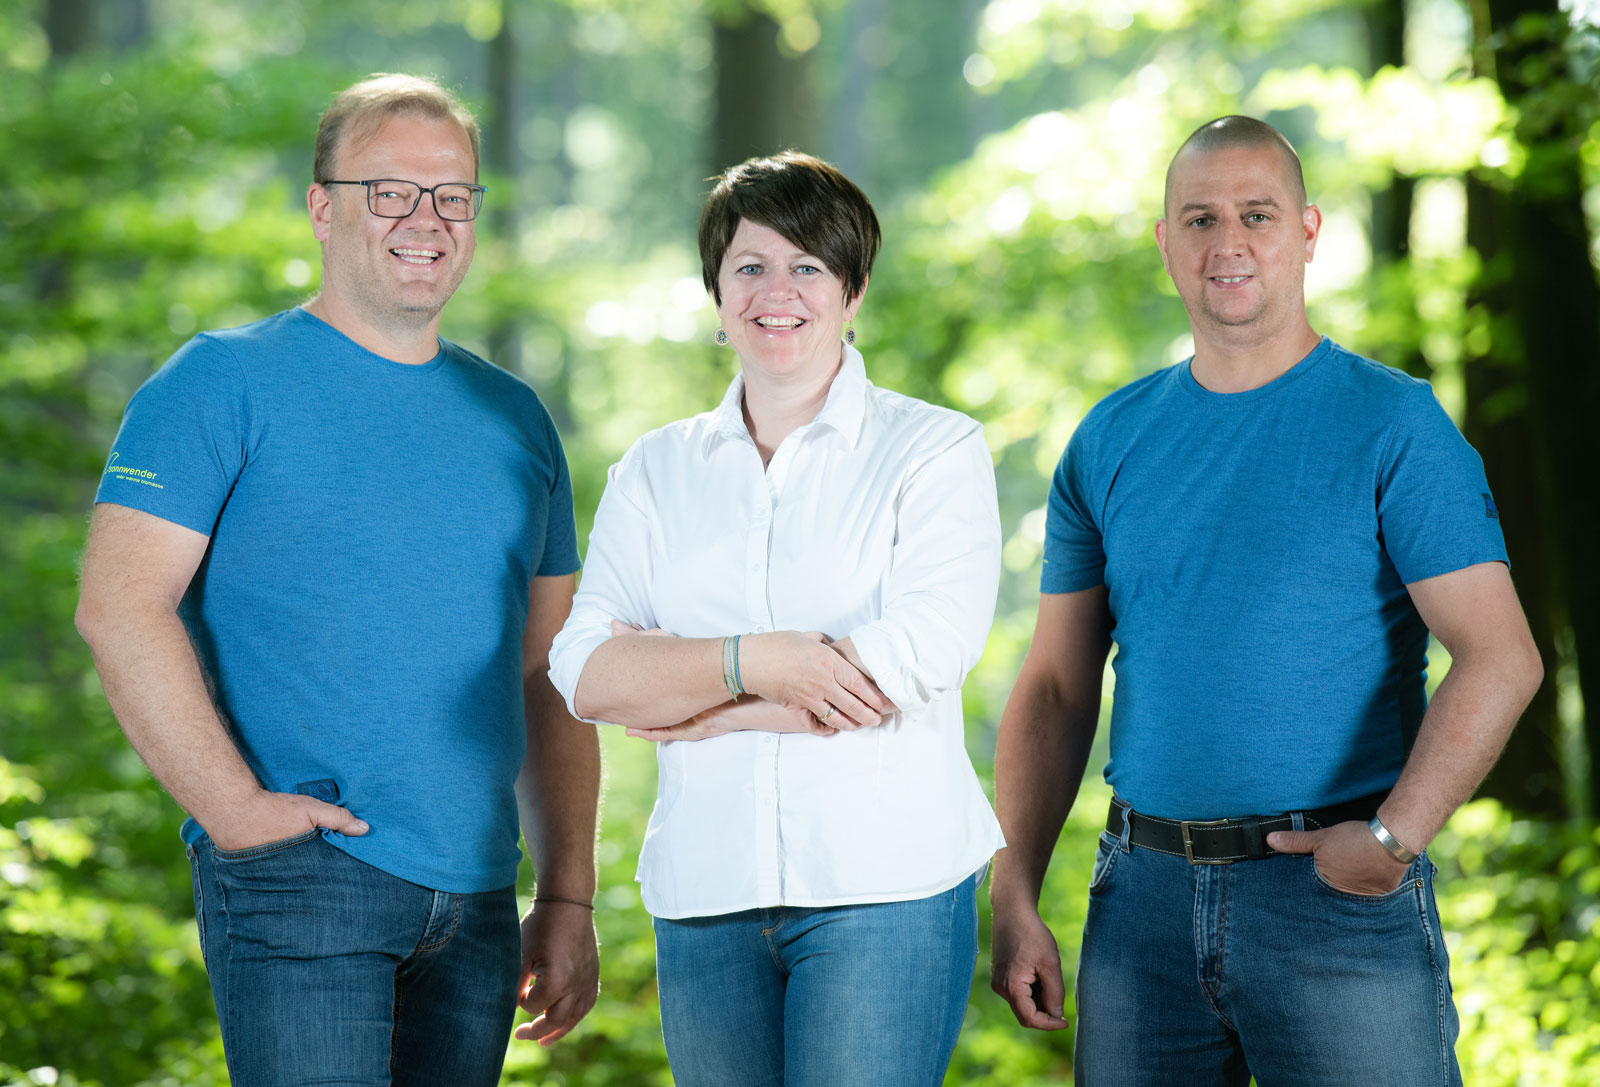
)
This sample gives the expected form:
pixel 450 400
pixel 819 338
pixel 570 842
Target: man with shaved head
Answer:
pixel 329 554
pixel 1268 532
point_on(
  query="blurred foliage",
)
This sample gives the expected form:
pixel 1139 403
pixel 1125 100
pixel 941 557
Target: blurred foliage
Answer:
pixel 153 186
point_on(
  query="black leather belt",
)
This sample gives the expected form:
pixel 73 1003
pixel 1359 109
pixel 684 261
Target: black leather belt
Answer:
pixel 1223 841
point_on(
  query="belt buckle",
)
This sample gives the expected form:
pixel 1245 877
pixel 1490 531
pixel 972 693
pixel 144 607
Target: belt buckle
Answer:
pixel 1188 845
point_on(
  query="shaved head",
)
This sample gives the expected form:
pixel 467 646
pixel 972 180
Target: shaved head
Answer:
pixel 1235 131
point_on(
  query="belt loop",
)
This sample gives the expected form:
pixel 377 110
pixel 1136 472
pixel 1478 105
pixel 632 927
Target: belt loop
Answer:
pixel 1297 820
pixel 1127 829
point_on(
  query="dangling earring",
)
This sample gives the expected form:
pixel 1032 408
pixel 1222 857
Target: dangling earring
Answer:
pixel 850 334
pixel 721 336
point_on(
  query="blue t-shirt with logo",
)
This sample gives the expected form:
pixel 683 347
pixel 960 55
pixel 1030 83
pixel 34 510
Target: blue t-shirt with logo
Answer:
pixel 1256 548
pixel 360 608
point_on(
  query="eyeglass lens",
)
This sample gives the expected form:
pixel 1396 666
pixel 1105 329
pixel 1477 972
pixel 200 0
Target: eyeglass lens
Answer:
pixel 398 199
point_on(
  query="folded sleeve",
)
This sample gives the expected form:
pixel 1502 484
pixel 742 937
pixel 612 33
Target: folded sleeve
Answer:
pixel 944 575
pixel 616 577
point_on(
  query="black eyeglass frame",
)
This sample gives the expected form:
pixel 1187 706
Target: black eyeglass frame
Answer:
pixel 477 196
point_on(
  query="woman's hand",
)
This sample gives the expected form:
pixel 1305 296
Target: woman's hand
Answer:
pixel 754 714
pixel 802 672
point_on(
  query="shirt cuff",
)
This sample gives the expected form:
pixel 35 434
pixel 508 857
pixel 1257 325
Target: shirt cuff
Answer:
pixel 884 651
pixel 571 651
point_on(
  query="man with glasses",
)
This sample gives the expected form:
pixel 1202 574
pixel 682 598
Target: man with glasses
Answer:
pixel 328 557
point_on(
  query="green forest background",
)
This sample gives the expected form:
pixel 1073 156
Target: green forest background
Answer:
pixel 155 156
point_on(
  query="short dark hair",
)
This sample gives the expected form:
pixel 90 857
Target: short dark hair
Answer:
pixel 357 112
pixel 1236 130
pixel 803 198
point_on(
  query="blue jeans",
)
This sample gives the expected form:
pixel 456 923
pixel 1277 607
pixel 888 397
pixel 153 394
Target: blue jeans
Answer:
pixel 1206 974
pixel 826 997
pixel 328 971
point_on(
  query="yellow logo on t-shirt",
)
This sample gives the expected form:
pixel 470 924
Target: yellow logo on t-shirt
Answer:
pixel 132 475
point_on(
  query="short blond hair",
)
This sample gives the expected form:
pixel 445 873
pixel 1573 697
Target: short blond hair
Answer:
pixel 357 111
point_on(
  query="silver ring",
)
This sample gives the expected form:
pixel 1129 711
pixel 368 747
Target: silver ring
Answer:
pixel 827 715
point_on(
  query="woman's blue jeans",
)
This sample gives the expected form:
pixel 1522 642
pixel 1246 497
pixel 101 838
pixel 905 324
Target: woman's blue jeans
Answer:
pixel 827 997
pixel 1207 974
pixel 326 970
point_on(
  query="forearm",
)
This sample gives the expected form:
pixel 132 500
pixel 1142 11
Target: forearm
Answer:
pixel 1040 758
pixel 558 793
pixel 755 715
pixel 648 681
pixel 152 679
pixel 1466 725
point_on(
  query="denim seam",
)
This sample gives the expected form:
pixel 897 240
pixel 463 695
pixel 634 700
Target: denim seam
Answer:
pixel 1098 881
pixel 229 1028
pixel 394 1022
pixel 772 950
pixel 1440 983
pixel 199 899
pixel 455 922
pixel 1207 989
pixel 1222 945
pixel 944 975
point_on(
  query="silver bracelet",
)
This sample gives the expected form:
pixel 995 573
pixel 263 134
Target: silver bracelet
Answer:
pixel 1389 841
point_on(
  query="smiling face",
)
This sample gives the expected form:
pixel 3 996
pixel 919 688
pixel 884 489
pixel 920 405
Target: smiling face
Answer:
pixel 394 272
pixel 782 309
pixel 1236 242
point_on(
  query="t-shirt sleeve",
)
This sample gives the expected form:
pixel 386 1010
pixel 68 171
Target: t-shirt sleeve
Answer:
pixel 1074 552
pixel 1435 510
pixel 184 439
pixel 560 554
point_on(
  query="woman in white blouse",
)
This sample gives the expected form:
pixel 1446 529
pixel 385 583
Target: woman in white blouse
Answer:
pixel 825 556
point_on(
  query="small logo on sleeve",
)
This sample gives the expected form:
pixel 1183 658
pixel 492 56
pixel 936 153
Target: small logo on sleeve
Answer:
pixel 132 475
pixel 1489 510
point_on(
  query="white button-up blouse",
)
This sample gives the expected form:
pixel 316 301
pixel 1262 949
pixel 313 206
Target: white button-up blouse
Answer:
pixel 877 521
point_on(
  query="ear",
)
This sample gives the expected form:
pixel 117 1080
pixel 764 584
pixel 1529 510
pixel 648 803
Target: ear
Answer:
pixel 319 205
pixel 853 304
pixel 1311 220
pixel 1161 244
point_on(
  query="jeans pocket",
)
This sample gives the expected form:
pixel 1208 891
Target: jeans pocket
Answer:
pixel 1407 885
pixel 251 852
pixel 199 897
pixel 1105 859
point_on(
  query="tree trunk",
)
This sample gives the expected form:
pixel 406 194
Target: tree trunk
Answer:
pixel 1499 425
pixel 1390 227
pixel 763 101
pixel 70 25
pixel 1539 384
pixel 503 161
pixel 852 135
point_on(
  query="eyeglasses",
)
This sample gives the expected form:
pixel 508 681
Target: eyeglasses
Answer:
pixel 389 198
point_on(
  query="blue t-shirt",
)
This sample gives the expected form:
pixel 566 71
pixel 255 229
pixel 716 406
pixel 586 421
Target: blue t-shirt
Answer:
pixel 1256 548
pixel 359 611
